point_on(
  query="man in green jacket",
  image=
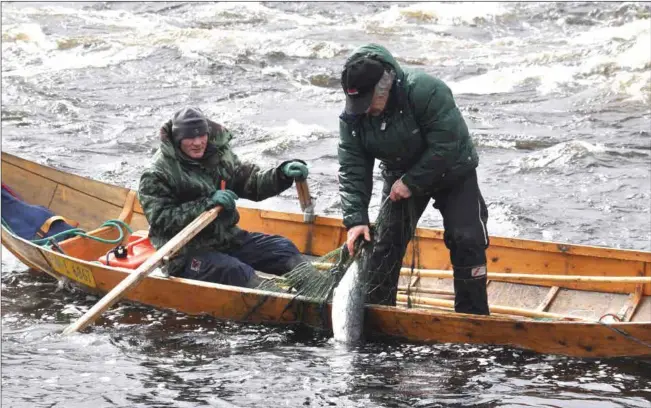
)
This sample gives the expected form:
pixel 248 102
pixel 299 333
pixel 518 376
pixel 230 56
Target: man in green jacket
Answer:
pixel 410 122
pixel 195 170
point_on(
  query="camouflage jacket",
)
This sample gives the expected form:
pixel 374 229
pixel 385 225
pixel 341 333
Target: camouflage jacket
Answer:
pixel 176 189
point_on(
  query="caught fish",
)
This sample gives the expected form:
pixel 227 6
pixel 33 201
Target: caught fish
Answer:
pixel 348 300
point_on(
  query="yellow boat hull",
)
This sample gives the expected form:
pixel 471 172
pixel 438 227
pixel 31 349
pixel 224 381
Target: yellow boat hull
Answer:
pixel 546 314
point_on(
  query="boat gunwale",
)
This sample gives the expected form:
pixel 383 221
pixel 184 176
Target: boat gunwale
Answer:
pixel 495 240
pixel 421 232
pixel 237 289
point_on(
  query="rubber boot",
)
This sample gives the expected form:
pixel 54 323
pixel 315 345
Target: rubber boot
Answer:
pixel 470 295
pixel 383 286
pixel 254 282
pixel 302 275
pixel 382 295
pixel 295 261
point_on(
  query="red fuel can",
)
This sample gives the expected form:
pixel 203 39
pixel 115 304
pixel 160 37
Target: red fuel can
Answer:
pixel 138 249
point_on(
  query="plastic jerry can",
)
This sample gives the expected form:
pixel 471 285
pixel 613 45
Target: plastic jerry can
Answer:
pixel 137 250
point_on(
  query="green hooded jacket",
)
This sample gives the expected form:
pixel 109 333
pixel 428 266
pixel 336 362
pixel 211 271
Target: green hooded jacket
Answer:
pixel 176 189
pixel 421 136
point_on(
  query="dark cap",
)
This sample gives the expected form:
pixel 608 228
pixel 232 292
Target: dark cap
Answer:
pixel 188 123
pixel 358 81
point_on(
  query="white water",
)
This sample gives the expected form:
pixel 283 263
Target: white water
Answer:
pixel 556 96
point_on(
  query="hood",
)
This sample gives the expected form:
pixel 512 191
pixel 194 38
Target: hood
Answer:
pixel 376 52
pixel 218 138
pixel 379 53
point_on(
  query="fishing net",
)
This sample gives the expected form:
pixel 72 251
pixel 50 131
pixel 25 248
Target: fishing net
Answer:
pixel 381 260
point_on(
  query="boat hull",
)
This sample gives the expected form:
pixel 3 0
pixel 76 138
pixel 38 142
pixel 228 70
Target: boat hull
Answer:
pixel 416 325
pixel 91 203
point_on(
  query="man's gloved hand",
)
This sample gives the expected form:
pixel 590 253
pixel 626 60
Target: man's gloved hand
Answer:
pixel 225 198
pixel 295 170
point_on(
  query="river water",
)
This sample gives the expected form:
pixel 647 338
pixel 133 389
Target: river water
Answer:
pixel 556 95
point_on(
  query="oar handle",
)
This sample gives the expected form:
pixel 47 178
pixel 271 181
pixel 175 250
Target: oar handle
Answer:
pixel 303 194
pixel 169 249
pixel 522 278
pixel 306 201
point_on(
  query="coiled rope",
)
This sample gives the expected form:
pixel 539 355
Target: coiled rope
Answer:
pixel 51 241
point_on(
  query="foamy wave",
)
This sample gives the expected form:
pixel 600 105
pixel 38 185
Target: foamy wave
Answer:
pixel 436 13
pixel 227 13
pixel 622 66
pixel 637 86
pixel 193 43
pixel 281 138
pixel 274 70
pixel 481 141
pixel 105 17
pixel 305 48
pixel 29 34
pixel 559 156
pixel 502 221
pixel 258 143
pixel 77 59
pixel 199 43
pixel 508 79
pixel 639 54
pixel 27 51
pixel 606 34
pixel 137 35
pixel 295 129
pixel 63 108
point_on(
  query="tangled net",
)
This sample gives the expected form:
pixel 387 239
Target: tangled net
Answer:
pixel 381 259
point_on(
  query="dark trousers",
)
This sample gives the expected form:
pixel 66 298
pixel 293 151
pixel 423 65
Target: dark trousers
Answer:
pixel 464 215
pixel 255 251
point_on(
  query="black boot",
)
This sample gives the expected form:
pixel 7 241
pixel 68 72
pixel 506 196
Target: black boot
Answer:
pixel 382 295
pixel 383 286
pixel 470 294
pixel 254 282
pixel 302 276
pixel 294 262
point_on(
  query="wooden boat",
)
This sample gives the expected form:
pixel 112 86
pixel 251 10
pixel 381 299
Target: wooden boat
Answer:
pixel 547 297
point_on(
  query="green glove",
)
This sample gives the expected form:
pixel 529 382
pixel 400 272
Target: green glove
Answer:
pixel 295 170
pixel 225 198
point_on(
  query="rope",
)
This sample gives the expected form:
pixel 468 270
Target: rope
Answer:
pixel 627 335
pixel 614 316
pixel 616 330
pixel 119 224
pixel 619 331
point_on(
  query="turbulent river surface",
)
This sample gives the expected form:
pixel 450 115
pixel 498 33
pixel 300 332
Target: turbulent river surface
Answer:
pixel 556 95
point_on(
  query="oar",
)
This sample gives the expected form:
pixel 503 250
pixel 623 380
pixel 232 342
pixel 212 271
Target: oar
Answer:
pixel 420 300
pixel 517 277
pixel 307 206
pixel 170 248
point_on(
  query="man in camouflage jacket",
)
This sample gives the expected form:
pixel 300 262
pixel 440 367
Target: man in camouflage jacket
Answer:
pixel 409 121
pixel 195 170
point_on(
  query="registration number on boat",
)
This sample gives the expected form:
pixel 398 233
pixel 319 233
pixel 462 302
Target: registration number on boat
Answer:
pixel 74 271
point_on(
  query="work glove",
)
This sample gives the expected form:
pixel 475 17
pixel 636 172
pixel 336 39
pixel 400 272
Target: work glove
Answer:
pixel 295 169
pixel 225 198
